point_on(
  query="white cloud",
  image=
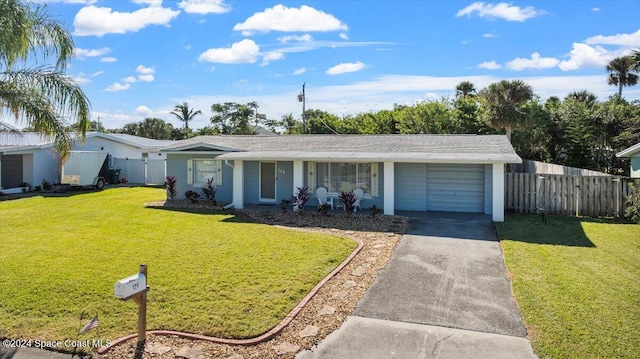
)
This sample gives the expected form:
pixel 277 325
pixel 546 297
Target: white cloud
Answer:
pixel 97 73
pixel 346 68
pixel 300 71
pixel 630 40
pixel 129 79
pixel 84 53
pixel 285 19
pixel 535 62
pixel 271 56
pixel 203 7
pixel 148 2
pixel 116 86
pixel 145 70
pixel 583 55
pixel 81 79
pixel 108 59
pixel 489 35
pixel 98 21
pixel 490 65
pixel 502 11
pixel 596 9
pixel 344 36
pixel 301 38
pixel 146 78
pixel 245 51
pixel 145 111
pixel 466 42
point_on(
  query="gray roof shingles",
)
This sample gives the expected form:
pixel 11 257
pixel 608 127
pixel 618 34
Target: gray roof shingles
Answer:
pixel 497 146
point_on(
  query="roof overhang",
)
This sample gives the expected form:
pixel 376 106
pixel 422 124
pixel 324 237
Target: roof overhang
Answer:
pixel 413 157
pixel 629 151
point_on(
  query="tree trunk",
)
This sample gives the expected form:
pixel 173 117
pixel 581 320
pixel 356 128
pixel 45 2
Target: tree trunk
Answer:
pixel 620 89
pixel 509 130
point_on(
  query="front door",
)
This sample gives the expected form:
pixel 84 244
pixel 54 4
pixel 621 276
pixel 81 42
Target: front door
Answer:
pixel 268 182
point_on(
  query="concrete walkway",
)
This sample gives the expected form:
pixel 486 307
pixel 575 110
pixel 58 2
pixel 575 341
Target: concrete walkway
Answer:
pixel 444 294
pixel 30 353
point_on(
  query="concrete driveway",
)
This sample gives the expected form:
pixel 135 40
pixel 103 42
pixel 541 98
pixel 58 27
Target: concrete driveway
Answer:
pixel 444 294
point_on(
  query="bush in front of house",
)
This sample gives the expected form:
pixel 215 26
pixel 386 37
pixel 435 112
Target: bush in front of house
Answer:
pixel 300 198
pixel 324 208
pixel 170 185
pixel 633 203
pixel 209 190
pixel 349 200
pixel 192 196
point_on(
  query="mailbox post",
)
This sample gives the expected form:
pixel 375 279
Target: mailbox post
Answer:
pixel 135 288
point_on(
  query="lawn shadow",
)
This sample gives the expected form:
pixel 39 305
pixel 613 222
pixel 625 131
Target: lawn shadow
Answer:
pixel 234 217
pixel 557 231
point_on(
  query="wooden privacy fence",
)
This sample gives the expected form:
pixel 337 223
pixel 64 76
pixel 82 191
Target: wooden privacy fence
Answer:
pixel 592 196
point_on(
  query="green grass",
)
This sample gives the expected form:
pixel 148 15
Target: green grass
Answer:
pixel 577 283
pixel 209 273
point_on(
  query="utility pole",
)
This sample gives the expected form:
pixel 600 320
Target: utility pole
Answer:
pixel 303 98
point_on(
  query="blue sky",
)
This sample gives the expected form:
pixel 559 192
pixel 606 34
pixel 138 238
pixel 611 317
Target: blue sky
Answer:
pixel 139 58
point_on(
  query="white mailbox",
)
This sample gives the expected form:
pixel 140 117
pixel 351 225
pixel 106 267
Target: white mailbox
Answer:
pixel 129 286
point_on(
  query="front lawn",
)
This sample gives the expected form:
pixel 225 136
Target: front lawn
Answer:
pixel 214 274
pixel 577 283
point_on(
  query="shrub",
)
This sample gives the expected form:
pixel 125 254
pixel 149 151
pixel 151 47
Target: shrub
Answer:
pixel 374 210
pixel 170 185
pixel 300 198
pixel 284 204
pixel 37 188
pixel 46 185
pixel 209 190
pixel 192 196
pixel 349 200
pixel 324 208
pixel 633 203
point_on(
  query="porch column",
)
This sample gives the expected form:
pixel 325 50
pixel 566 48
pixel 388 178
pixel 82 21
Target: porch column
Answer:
pixel 298 176
pixel 498 192
pixel 238 184
pixel 389 187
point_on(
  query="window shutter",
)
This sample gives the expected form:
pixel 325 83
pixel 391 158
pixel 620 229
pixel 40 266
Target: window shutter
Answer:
pixel 374 179
pixel 311 179
pixel 218 180
pixel 189 171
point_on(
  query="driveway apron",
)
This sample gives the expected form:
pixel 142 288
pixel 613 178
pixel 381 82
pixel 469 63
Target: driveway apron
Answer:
pixel 444 294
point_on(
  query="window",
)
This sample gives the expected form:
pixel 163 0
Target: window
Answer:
pixel 343 176
pixel 200 170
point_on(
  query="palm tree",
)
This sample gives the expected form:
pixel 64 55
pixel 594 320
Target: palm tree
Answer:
pixel 583 96
pixel 44 97
pixel 185 114
pixel 620 72
pixel 504 102
pixel 465 89
pixel 636 60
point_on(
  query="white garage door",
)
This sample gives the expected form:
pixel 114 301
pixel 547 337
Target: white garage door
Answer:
pixel 455 188
pixel 439 187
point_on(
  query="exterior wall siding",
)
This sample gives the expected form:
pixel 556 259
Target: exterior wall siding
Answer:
pixel 252 182
pixel 177 166
pixel 488 189
pixel 635 167
pixel 284 181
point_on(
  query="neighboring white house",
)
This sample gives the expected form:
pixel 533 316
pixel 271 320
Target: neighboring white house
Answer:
pixel 30 157
pixel 633 153
pixel 138 159
pixel 457 173
pixel 27 158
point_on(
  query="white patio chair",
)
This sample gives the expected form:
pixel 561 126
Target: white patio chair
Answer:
pixel 323 198
pixel 359 193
